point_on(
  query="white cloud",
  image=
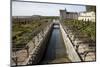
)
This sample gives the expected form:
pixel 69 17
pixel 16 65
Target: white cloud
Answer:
pixel 30 8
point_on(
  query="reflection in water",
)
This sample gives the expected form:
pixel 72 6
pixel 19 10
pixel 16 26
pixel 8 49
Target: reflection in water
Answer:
pixel 56 52
pixel 56 26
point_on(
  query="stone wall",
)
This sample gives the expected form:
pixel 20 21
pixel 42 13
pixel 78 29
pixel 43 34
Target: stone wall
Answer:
pixel 72 54
pixel 38 51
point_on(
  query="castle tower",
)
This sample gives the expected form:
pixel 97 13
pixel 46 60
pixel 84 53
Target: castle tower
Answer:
pixel 63 14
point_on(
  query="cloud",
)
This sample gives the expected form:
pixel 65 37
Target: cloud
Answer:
pixel 30 8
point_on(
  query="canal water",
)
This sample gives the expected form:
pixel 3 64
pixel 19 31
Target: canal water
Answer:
pixel 56 51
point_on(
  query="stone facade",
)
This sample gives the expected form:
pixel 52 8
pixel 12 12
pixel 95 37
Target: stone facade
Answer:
pixel 85 16
pixel 68 15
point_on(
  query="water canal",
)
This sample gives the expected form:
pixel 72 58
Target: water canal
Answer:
pixel 56 51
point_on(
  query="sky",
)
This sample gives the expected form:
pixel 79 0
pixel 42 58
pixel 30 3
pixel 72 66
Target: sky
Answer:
pixel 44 9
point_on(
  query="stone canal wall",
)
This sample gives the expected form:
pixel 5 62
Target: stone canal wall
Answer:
pixel 36 50
pixel 39 50
pixel 72 54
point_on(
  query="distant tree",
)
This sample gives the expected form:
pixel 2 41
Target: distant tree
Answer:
pixel 91 8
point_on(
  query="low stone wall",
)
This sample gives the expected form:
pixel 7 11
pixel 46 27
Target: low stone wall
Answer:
pixel 38 51
pixel 72 54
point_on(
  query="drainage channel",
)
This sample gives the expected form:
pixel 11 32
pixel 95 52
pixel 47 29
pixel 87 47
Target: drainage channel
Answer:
pixel 56 51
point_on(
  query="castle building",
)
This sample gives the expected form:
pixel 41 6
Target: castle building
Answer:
pixel 85 16
pixel 68 15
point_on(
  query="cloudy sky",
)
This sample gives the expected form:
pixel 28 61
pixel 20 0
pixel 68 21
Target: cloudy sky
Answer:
pixel 44 9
